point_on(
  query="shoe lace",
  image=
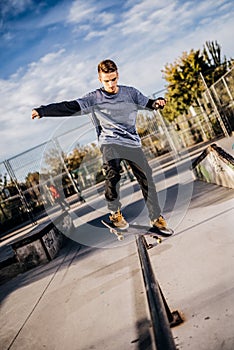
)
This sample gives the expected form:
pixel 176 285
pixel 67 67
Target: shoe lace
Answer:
pixel 117 216
pixel 161 220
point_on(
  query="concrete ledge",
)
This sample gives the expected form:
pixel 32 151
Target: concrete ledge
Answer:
pixel 37 247
pixel 216 166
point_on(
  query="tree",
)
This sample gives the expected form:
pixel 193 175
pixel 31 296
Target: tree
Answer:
pixel 184 85
pixel 32 179
pixel 183 77
pixel 74 159
pixel 82 154
pixel 218 66
pixel 52 163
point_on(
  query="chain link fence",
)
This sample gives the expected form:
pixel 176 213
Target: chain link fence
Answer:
pixel 218 100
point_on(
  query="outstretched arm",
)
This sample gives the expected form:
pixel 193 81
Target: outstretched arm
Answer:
pixel 66 108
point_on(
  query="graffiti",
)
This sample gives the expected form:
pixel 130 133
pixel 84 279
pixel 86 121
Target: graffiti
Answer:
pixel 49 242
pixel 215 161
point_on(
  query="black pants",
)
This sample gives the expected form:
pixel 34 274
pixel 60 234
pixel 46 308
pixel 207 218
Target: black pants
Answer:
pixel 112 157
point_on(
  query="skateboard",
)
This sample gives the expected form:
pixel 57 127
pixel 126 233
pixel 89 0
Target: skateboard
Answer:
pixel 113 229
pixel 138 230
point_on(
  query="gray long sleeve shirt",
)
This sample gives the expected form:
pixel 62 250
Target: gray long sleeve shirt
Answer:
pixel 113 114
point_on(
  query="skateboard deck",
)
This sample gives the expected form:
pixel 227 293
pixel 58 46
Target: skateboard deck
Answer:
pixel 138 230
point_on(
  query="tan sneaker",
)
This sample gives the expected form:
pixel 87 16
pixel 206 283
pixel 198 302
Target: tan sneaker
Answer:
pixel 118 220
pixel 159 223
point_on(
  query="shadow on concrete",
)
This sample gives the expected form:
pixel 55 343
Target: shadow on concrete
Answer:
pixel 85 239
pixel 66 257
pixel 203 195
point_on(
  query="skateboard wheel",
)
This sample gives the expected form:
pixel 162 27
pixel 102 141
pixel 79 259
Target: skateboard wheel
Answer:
pixel 120 238
pixel 159 240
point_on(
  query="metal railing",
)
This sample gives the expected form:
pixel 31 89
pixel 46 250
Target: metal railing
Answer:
pixel 161 317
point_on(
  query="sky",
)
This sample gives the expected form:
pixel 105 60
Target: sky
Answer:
pixel 49 51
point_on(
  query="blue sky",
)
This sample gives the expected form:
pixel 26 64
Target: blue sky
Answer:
pixel 49 51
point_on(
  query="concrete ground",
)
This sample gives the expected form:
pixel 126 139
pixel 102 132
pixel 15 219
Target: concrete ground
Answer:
pixel 92 295
pixel 195 269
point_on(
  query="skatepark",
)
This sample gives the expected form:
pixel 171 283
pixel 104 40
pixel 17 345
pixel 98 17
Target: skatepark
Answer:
pixel 92 294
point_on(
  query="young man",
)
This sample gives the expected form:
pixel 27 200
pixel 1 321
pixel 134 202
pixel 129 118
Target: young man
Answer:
pixel 113 110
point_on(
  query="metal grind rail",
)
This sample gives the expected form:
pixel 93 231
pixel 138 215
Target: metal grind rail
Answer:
pixel 161 317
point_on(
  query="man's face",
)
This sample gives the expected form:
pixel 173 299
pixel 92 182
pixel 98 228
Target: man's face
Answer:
pixel 109 81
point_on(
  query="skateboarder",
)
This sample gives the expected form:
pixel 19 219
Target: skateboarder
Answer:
pixel 57 198
pixel 113 110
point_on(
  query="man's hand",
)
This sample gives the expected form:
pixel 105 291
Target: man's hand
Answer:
pixel 35 114
pixel 159 103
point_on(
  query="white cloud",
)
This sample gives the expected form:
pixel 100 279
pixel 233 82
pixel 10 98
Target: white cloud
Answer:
pixel 95 34
pixel 106 18
pixel 14 7
pixel 89 18
pixel 56 77
pixel 80 11
pixel 8 36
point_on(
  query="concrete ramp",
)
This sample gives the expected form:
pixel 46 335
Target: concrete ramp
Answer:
pixel 216 166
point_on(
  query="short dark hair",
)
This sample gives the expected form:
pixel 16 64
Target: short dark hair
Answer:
pixel 107 66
